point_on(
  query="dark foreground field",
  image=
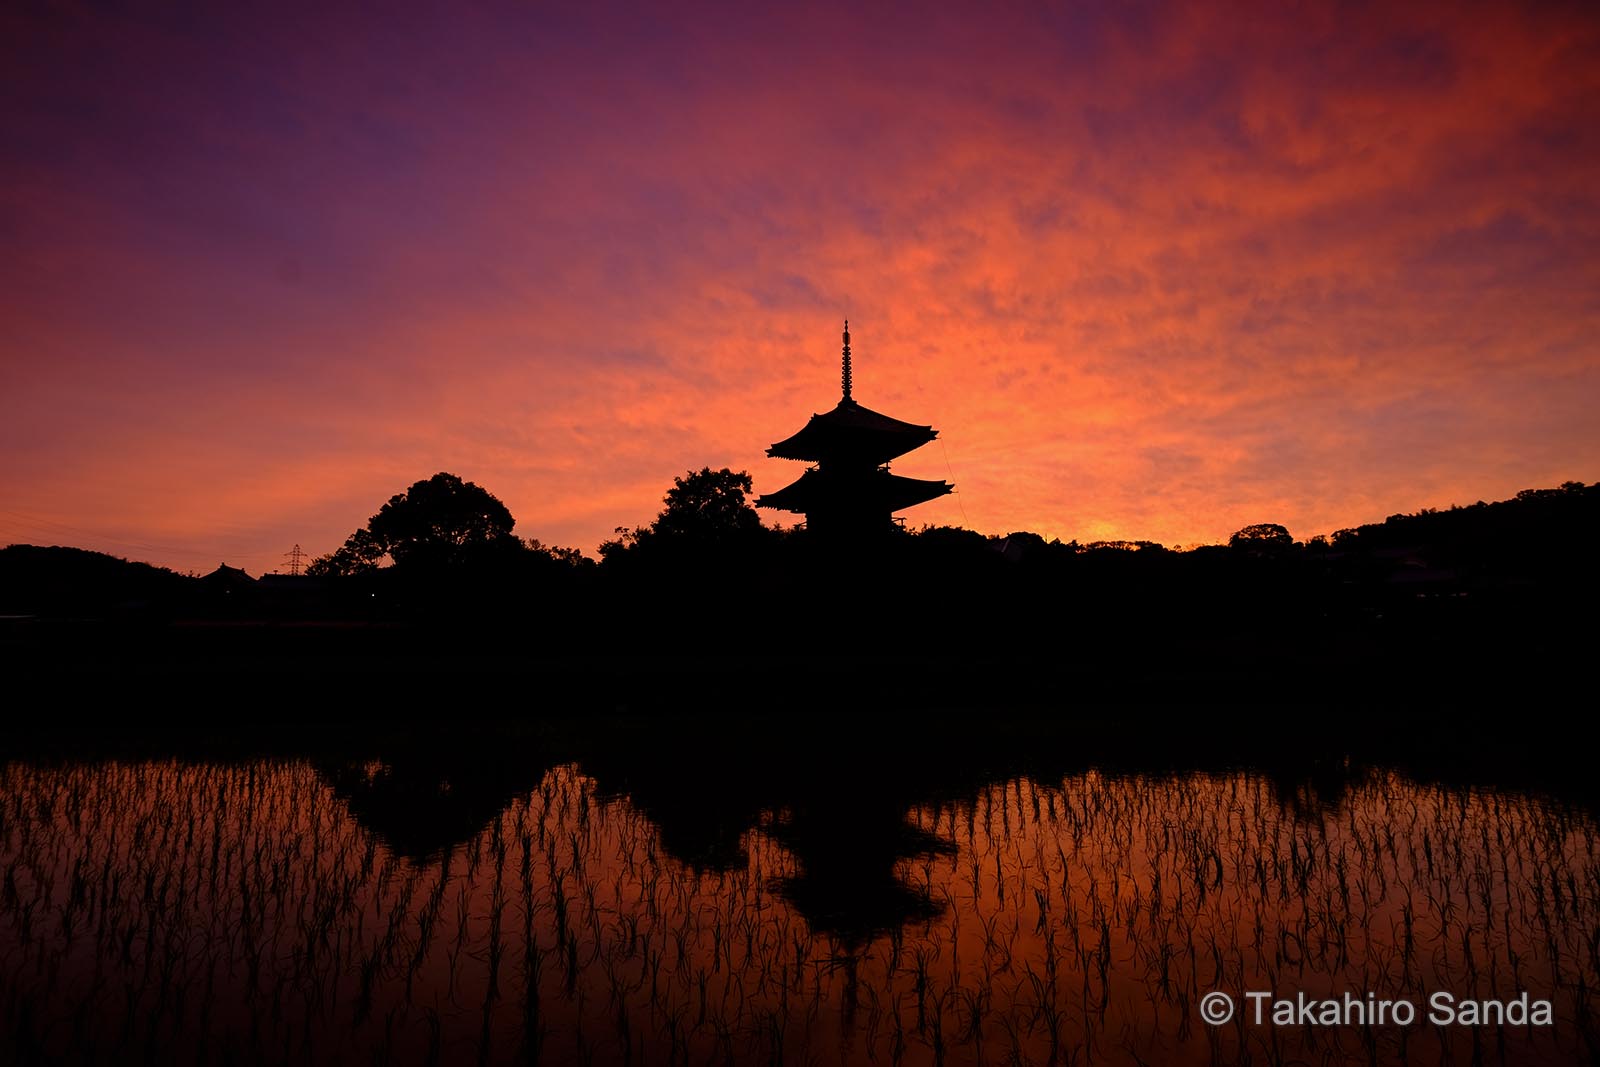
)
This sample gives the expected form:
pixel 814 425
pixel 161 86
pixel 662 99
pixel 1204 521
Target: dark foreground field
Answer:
pixel 1439 657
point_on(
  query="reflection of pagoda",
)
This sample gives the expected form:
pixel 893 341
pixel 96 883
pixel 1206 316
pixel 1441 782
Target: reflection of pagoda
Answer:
pixel 850 491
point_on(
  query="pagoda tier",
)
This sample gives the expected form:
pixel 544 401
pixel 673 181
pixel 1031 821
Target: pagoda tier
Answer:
pixel 828 490
pixel 853 434
pixel 850 491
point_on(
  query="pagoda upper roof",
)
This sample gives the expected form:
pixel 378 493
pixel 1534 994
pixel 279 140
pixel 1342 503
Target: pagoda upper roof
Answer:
pixel 879 489
pixel 853 433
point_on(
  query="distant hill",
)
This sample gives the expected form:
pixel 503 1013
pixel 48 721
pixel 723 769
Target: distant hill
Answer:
pixel 74 581
pixel 1540 535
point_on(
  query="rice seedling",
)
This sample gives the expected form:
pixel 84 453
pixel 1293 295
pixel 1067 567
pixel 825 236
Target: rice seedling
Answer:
pixel 209 912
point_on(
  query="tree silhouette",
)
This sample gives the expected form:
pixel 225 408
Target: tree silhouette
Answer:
pixel 1262 537
pixel 709 506
pixel 705 509
pixel 361 552
pixel 441 521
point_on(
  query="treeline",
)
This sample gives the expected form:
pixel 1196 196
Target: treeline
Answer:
pixel 40 580
pixel 706 606
pixel 444 552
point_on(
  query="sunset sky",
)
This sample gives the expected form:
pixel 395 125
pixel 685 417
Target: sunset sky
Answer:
pixel 1153 271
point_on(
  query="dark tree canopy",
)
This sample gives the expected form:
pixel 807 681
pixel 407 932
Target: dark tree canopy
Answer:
pixel 705 509
pixel 709 505
pixel 437 522
pixel 443 517
pixel 1262 535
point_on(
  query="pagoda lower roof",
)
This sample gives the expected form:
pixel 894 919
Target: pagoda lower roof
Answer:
pixel 879 490
pixel 855 433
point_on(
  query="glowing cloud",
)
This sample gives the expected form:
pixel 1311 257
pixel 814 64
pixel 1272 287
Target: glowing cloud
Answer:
pixel 1153 273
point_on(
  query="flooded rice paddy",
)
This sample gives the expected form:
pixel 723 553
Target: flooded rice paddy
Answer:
pixel 284 911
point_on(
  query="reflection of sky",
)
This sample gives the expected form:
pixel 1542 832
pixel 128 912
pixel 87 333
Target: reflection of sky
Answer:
pixel 1153 274
pixel 1091 911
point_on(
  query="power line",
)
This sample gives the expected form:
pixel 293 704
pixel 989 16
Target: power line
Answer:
pixel 965 523
pixel 22 521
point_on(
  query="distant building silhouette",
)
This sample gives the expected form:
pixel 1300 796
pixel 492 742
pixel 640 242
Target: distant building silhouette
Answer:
pixel 850 493
pixel 226 579
pixel 228 591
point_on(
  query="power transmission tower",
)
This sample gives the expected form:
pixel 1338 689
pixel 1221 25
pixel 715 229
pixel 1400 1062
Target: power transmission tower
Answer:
pixel 294 558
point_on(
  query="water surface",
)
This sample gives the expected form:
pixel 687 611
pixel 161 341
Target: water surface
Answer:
pixel 299 911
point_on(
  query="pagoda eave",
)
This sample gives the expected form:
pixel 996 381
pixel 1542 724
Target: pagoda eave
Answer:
pixel 881 492
pixel 851 431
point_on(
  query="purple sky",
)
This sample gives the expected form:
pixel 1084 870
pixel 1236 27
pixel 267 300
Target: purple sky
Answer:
pixel 1154 271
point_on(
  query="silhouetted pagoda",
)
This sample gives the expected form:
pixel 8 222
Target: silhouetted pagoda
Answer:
pixel 849 492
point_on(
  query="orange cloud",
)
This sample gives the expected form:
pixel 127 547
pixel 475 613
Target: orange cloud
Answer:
pixel 1152 275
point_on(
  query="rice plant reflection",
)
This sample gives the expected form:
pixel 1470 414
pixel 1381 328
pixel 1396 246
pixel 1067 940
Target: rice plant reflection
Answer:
pixel 274 911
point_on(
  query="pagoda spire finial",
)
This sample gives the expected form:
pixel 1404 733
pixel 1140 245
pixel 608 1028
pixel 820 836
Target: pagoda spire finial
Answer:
pixel 844 378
